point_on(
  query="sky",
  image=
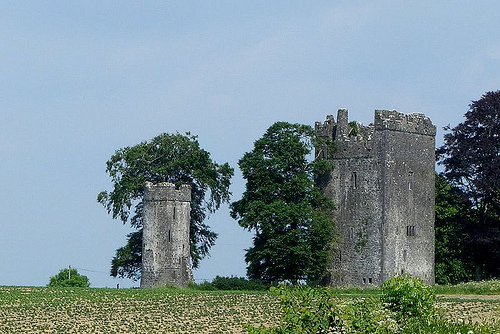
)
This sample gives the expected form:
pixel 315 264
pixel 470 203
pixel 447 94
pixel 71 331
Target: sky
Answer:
pixel 79 80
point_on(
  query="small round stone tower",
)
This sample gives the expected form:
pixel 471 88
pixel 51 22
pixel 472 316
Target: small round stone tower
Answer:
pixel 165 244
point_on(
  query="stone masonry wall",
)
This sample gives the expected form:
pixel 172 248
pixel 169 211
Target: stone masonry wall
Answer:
pixel 165 248
pixel 383 187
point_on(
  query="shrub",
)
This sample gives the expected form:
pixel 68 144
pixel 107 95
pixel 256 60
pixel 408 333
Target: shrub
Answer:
pixel 231 283
pixel 409 297
pixel 407 308
pixel 238 283
pixel 305 310
pixel 69 278
pixel 319 310
pixel 204 286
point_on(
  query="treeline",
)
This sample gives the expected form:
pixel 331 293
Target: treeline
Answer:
pixel 290 217
pixel 231 283
pixel 468 196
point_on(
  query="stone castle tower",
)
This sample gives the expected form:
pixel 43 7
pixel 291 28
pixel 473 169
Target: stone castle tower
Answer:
pixel 165 245
pixel 383 187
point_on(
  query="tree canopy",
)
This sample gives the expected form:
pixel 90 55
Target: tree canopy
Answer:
pixel 471 159
pixel 69 278
pixel 454 263
pixel 171 158
pixel 293 230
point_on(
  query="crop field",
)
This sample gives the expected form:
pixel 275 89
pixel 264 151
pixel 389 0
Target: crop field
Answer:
pixel 78 310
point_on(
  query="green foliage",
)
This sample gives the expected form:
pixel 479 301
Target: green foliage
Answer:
pixel 406 307
pixel 409 297
pixel 308 310
pixel 168 310
pixel 231 283
pixel 69 278
pixel 293 232
pixel 128 259
pixel 171 158
pixel 353 128
pixel 319 310
pixel 453 216
pixel 238 283
pixel 471 159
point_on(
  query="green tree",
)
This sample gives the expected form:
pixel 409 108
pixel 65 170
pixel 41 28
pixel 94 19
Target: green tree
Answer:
pixel 453 218
pixel 69 278
pixel 293 232
pixel 171 158
pixel 471 158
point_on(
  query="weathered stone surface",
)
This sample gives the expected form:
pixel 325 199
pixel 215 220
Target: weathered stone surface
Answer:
pixel 165 247
pixel 383 186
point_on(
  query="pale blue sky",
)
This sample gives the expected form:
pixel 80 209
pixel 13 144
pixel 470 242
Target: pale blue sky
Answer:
pixel 80 80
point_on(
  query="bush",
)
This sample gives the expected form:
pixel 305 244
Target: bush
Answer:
pixel 319 310
pixel 406 306
pixel 231 283
pixel 204 286
pixel 69 278
pixel 409 297
pixel 238 283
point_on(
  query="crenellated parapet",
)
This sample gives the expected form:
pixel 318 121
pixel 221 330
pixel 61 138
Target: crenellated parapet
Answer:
pixel 411 123
pixel 352 139
pixel 166 191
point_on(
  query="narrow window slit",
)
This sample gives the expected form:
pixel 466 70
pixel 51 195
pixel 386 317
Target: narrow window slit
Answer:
pixel 410 180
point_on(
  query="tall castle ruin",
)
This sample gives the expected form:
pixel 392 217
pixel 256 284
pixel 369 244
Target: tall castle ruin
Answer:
pixel 165 245
pixel 383 187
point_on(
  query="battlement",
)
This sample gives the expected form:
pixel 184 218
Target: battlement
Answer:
pixel 411 123
pixel 352 139
pixel 166 191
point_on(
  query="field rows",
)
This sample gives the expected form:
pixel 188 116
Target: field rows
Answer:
pixel 45 310
pixel 28 310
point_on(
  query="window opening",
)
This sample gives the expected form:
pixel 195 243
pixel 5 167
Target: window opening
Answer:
pixel 174 212
pixel 169 236
pixel 370 280
pixel 410 231
pixel 410 180
pixel 354 180
pixel 364 280
pixel 405 255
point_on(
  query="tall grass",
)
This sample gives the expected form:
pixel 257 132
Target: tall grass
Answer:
pixel 470 288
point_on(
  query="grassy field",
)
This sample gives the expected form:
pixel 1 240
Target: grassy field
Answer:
pixel 78 310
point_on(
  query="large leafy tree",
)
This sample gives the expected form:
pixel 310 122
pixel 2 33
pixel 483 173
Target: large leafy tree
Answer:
pixel 171 158
pixel 471 158
pixel 69 278
pixel 453 221
pixel 281 204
